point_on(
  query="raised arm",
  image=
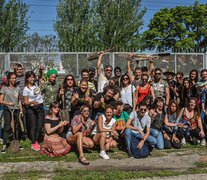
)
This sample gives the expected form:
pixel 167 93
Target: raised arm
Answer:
pixel 98 64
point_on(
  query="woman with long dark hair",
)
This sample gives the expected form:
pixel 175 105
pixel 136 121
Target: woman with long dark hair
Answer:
pixel 128 95
pixel 54 144
pixel 192 129
pixel 81 96
pixel 170 127
pixel 186 92
pixel 12 107
pixel 33 101
pixel 66 93
pixel 157 115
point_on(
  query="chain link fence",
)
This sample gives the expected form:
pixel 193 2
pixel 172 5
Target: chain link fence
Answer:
pixel 74 62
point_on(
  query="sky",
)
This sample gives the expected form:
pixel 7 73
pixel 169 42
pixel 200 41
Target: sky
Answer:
pixel 43 12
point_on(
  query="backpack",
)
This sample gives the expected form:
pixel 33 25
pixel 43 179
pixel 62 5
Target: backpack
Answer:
pixel 139 153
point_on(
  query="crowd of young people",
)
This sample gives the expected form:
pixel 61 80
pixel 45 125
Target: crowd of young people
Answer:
pixel 104 111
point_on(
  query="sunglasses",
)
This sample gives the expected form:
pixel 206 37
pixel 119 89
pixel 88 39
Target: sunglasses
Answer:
pixel 144 79
pixel 86 111
pixel 110 70
pixel 69 79
pixel 117 71
pixel 157 73
pixel 56 107
pixel 125 78
pixel 141 109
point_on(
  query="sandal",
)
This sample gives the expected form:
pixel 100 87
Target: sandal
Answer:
pixel 83 161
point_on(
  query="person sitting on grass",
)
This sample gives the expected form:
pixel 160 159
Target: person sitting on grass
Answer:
pixel 54 143
pixel 189 116
pixel 157 115
pixel 105 133
pixel 170 127
pixel 139 126
pixel 80 129
pixel 121 120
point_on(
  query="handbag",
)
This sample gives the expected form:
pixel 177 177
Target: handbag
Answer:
pixel 64 113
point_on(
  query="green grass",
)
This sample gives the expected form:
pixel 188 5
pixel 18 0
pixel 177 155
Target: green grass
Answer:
pixel 28 155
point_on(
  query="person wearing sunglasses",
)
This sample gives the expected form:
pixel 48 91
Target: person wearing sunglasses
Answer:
pixel 103 78
pixel 54 143
pixel 66 92
pixel 138 125
pixel 160 88
pixel 143 90
pixel 117 73
pixel 128 93
pixel 79 131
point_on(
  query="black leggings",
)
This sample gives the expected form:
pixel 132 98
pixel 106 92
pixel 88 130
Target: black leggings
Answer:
pixel 35 118
pixel 7 124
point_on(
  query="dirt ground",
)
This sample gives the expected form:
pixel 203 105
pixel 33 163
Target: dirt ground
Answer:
pixel 177 161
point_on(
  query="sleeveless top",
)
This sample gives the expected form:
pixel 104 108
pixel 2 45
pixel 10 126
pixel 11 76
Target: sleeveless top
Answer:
pixel 53 123
pixel 142 93
pixel 191 121
pixel 158 121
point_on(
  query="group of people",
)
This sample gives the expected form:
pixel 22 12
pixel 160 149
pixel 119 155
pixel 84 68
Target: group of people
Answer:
pixel 106 112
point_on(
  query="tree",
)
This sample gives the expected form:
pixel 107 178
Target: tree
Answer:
pixel 98 23
pixel 37 43
pixel 73 24
pixel 13 24
pixel 182 27
pixel 117 22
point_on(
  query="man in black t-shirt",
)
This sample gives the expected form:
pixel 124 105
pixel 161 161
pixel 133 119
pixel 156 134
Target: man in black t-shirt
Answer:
pixel 101 100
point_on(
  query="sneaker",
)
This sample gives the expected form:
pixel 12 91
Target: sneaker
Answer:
pixel 3 151
pixel 37 144
pixel 203 142
pixel 104 155
pixel 35 147
pixel 183 141
pixel 129 154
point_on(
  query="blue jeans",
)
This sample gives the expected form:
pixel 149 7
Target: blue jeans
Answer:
pixel 128 136
pixel 158 135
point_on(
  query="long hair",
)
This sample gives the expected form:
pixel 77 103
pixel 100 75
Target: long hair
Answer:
pixel 54 103
pixel 197 109
pixel 122 78
pixel 8 78
pixel 27 75
pixel 65 81
pixel 157 99
pixel 177 109
pixel 194 70
pixel 87 93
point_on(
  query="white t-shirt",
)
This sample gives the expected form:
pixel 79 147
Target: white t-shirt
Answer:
pixel 138 122
pixel 105 126
pixel 126 94
pixel 33 93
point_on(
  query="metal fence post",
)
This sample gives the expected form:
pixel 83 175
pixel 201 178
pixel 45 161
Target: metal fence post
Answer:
pixel 175 59
pixel 205 60
pixel 77 64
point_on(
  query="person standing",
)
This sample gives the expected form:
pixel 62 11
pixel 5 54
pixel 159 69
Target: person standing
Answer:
pixel 33 101
pixel 12 107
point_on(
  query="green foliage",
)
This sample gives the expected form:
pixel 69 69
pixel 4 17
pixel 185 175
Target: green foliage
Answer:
pixel 98 23
pixel 37 43
pixel 182 27
pixel 73 24
pixel 13 23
